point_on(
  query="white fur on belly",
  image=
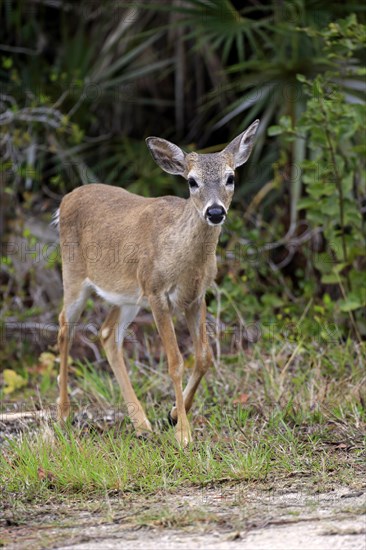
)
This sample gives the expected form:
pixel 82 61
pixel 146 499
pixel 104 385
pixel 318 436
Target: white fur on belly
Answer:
pixel 115 298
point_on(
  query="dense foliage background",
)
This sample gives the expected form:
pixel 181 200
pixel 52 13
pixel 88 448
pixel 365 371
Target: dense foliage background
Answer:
pixel 83 83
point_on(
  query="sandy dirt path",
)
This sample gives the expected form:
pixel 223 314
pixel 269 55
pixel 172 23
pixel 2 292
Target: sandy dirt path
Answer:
pixel 227 517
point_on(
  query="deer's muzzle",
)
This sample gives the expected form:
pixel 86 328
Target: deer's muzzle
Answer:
pixel 215 214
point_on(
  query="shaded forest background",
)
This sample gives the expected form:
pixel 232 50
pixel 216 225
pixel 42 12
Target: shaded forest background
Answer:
pixel 82 85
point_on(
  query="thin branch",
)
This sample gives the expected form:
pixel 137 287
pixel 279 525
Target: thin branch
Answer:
pixel 19 49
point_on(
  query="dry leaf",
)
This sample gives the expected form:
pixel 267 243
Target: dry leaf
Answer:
pixel 44 474
pixel 242 399
pixel 200 421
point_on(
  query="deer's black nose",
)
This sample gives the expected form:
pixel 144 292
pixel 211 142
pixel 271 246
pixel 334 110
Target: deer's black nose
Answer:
pixel 215 213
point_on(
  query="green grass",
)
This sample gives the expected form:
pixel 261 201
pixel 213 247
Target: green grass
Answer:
pixel 302 414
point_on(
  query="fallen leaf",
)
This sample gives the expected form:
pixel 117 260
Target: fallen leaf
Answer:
pixel 200 421
pixel 341 446
pixel 45 474
pixel 13 381
pixel 242 399
pixel 47 359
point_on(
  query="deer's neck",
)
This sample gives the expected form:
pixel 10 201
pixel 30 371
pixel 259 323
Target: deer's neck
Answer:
pixel 195 230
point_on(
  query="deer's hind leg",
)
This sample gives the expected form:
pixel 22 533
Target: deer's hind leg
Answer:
pixel 74 303
pixel 112 334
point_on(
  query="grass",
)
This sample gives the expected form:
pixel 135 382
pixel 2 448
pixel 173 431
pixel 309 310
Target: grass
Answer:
pixel 278 411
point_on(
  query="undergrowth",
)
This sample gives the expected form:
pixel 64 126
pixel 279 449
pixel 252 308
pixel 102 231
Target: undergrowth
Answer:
pixel 280 411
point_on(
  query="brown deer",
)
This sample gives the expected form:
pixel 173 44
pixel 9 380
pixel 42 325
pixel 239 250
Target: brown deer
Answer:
pixel 135 251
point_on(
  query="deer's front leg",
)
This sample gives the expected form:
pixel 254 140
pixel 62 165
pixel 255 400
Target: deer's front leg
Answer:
pixel 163 319
pixel 196 321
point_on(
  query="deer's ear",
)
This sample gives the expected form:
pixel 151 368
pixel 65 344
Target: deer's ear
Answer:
pixel 242 145
pixel 167 155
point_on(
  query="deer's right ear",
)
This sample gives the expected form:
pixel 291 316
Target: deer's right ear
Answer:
pixel 167 155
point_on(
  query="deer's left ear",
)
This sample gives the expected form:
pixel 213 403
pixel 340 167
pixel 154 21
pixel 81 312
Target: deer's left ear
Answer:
pixel 241 146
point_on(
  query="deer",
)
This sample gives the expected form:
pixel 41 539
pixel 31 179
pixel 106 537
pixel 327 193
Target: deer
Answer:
pixel 136 252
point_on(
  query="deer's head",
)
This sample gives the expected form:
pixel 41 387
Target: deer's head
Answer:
pixel 211 177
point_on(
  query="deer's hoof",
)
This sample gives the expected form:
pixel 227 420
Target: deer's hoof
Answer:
pixel 183 438
pixel 63 411
pixel 143 429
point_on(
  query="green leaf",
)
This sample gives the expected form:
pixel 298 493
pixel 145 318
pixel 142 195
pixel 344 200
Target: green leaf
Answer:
pixel 349 304
pixel 271 300
pixel 13 381
pixel 275 130
pixel 337 268
pixel 286 121
pixel 301 78
pixel 306 202
pixel 330 279
pixel 7 62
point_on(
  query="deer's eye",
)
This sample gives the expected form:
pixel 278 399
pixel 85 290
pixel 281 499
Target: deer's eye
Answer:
pixel 192 183
pixel 230 180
